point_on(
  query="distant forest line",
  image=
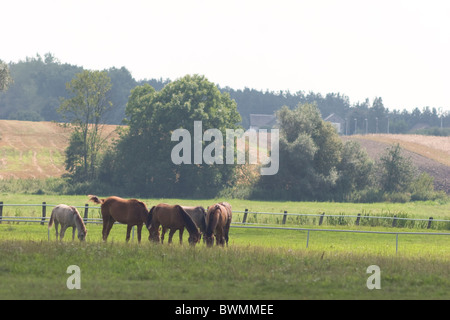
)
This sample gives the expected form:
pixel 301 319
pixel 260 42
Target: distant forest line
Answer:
pixel 39 83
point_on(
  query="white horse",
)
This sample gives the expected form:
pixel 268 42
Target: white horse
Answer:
pixel 67 216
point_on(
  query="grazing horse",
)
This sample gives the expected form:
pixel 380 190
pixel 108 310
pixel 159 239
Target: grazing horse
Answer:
pixel 130 212
pixel 218 220
pixel 172 217
pixel 230 214
pixel 198 215
pixel 67 216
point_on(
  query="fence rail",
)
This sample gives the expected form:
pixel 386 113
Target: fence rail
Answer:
pixel 285 215
pixel 321 217
pixel 243 223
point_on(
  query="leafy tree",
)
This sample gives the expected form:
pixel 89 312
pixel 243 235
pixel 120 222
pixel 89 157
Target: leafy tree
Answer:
pixel 397 171
pixel 355 169
pixel 86 110
pixel 309 154
pixel 145 149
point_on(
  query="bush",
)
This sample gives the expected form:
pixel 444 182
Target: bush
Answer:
pixel 401 197
pixel 397 171
pixel 368 195
pixel 422 189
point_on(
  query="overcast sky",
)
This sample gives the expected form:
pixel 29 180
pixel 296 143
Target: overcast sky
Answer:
pixel 397 50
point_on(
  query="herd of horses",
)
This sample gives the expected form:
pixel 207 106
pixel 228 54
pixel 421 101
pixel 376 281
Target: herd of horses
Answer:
pixel 211 223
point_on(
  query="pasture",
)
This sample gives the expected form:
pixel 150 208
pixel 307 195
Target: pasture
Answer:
pixel 257 264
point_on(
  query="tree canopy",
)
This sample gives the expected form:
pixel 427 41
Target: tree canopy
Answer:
pixel 86 110
pixel 145 149
pixel 38 83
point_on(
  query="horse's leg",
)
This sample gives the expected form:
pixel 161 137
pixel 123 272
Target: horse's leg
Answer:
pixel 181 235
pixel 227 230
pixel 109 227
pixel 73 233
pixel 63 230
pixel 219 237
pixel 128 232
pixel 163 232
pixel 172 231
pixel 56 228
pixel 106 218
pixel 139 229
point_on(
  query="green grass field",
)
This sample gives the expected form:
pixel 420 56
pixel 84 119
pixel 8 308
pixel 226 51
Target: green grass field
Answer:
pixel 257 264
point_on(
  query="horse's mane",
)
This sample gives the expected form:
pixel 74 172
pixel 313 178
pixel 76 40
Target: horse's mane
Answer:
pixel 203 220
pixel 190 224
pixel 150 216
pixel 78 219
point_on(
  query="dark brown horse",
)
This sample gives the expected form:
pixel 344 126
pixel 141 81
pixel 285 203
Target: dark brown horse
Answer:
pixel 130 212
pixel 172 217
pixel 198 215
pixel 218 220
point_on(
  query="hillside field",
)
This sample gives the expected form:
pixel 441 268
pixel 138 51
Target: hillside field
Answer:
pixel 34 149
pixel 429 154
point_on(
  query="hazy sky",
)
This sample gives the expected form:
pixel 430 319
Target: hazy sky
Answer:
pixel 397 50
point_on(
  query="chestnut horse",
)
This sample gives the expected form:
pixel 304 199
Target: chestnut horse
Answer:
pixel 218 220
pixel 172 217
pixel 130 212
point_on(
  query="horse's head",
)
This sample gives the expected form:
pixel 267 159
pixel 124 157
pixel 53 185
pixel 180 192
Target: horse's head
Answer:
pixel 82 235
pixel 194 238
pixel 154 234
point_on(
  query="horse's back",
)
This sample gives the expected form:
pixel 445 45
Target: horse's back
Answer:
pixel 198 215
pixel 125 210
pixel 167 215
pixel 63 214
pixel 228 207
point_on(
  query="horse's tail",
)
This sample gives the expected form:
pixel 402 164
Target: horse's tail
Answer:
pixel 95 199
pixel 212 221
pixel 190 224
pixel 149 217
pixel 52 218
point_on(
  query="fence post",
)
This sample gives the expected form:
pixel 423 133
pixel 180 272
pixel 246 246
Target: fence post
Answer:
pixel 357 219
pixel 86 210
pixel 396 243
pixel 1 211
pixel 44 212
pixel 245 216
pixel 394 222
pixel 429 222
pixel 284 217
pixel 321 218
pixel 307 239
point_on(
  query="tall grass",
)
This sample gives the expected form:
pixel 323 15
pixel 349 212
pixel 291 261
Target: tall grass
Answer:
pixel 255 266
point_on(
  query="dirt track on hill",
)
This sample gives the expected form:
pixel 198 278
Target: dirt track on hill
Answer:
pixel 422 158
